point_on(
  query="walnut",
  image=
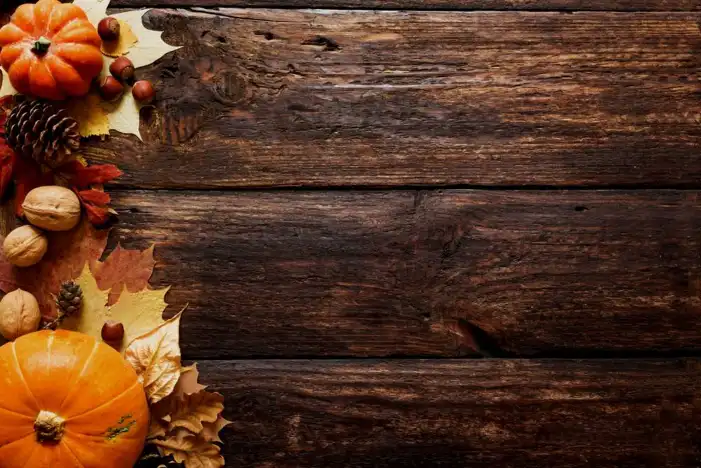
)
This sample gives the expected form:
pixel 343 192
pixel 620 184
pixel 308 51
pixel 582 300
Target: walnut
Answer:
pixel 25 246
pixel 52 207
pixel 19 314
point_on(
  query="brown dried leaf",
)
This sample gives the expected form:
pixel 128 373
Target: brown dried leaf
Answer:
pixel 125 268
pixel 190 411
pixel 156 358
pixel 192 451
pixel 188 382
pixel 210 431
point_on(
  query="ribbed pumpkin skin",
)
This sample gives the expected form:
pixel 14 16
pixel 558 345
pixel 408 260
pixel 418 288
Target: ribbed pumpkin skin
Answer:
pixel 81 380
pixel 71 62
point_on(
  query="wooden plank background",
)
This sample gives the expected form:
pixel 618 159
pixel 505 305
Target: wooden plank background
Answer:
pixel 262 98
pixel 360 198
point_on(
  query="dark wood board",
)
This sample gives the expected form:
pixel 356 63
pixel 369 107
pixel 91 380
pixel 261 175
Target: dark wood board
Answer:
pixel 263 98
pixel 528 5
pixel 520 414
pixel 434 273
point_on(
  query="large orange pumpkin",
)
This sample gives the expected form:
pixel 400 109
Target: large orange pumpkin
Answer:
pixel 69 401
pixel 50 50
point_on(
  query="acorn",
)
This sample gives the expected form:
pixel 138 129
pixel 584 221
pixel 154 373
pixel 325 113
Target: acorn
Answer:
pixel 108 29
pixel 112 333
pixel 143 92
pixel 122 69
pixel 111 89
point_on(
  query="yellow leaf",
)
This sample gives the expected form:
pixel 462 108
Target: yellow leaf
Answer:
pixel 192 410
pixel 150 46
pixel 156 358
pixel 123 115
pixel 139 312
pixel 92 316
pixel 192 451
pixel 90 114
pixel 6 89
pixel 120 47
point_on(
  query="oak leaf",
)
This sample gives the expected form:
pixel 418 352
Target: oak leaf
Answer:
pixel 156 358
pixel 192 451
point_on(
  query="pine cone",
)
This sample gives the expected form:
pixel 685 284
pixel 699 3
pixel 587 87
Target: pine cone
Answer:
pixel 37 130
pixel 69 299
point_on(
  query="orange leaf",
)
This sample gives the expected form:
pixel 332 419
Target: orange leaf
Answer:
pixel 125 268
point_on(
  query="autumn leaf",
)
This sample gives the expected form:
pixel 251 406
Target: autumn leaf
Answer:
pixel 188 382
pixel 192 410
pixel 210 431
pixel 192 451
pixel 156 358
pixel 123 115
pixel 150 46
pixel 87 111
pixel 140 312
pixel 125 268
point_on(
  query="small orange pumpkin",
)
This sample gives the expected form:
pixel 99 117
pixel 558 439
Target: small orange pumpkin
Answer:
pixel 69 401
pixel 50 50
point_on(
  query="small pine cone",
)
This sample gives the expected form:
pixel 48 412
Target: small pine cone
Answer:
pixel 69 299
pixel 37 130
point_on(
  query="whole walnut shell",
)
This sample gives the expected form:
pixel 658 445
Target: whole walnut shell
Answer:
pixel 25 246
pixel 52 207
pixel 19 314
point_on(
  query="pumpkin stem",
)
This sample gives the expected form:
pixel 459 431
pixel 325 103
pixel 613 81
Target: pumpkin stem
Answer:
pixel 49 427
pixel 41 45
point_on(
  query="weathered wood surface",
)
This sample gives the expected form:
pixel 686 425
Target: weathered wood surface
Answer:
pixel 460 413
pixel 528 5
pixel 579 273
pixel 261 98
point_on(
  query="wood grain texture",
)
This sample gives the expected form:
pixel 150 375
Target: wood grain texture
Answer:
pixel 460 413
pixel 261 98
pixel 530 5
pixel 579 273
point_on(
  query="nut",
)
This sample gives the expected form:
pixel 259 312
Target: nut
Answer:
pixel 122 69
pixel 111 89
pixel 108 29
pixel 143 92
pixel 19 314
pixel 25 246
pixel 113 332
pixel 52 207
